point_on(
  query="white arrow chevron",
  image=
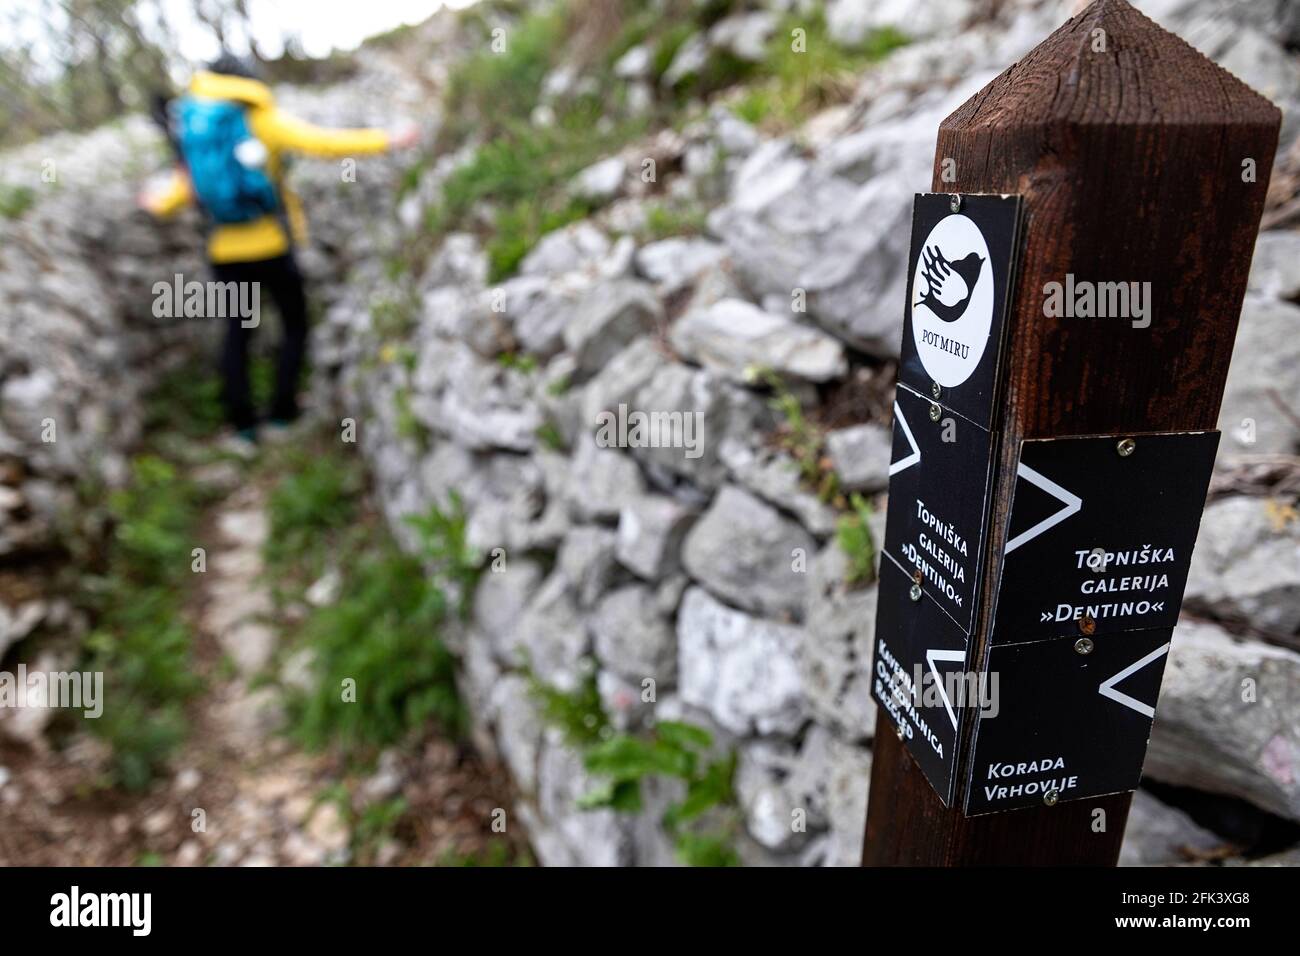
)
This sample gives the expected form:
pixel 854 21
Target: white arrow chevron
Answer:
pixel 907 461
pixel 1107 687
pixel 1071 504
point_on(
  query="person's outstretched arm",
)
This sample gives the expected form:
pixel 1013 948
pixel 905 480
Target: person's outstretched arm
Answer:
pixel 170 197
pixel 281 131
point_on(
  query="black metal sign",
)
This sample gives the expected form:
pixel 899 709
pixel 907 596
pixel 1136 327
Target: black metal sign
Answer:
pixel 1067 719
pixel 938 500
pixel 918 649
pixel 1101 534
pixel 959 283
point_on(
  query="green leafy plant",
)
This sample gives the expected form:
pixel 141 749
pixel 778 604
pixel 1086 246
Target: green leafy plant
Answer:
pixel 578 713
pixel 315 498
pixel 444 542
pixel 673 750
pixel 140 642
pixel 15 200
pixel 379 664
pixel 853 532
pixel 800 437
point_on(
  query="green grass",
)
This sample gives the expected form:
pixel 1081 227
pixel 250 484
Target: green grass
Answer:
pixel 379 642
pixel 790 84
pixel 315 498
pixel 15 200
pixel 140 641
pixel 381 668
pixel 853 533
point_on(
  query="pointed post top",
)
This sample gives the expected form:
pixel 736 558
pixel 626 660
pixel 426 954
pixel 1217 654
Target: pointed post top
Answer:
pixel 1111 64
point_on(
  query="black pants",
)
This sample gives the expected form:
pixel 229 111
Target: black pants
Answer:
pixel 279 280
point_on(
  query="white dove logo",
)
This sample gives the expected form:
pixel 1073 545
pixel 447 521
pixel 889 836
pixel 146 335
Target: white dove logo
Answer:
pixel 952 300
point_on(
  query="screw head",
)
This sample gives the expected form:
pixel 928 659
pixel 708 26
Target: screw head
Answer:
pixel 915 592
pixel 1087 625
pixel 899 731
pixel 935 390
pixel 935 412
pixel 1051 796
pixel 1083 645
pixel 954 203
pixel 1126 447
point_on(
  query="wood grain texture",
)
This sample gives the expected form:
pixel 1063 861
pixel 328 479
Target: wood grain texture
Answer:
pixel 1130 164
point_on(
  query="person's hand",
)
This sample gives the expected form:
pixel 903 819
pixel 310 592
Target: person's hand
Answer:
pixel 404 136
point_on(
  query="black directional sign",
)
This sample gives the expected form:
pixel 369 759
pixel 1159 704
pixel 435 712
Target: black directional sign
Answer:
pixel 938 501
pixel 918 651
pixel 1064 725
pixel 959 280
pixel 1101 534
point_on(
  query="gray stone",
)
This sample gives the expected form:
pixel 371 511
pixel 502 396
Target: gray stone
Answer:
pixel 1228 720
pixel 500 599
pixel 607 319
pixel 1265 369
pixel 632 638
pixel 586 558
pixel 774 476
pixel 849 21
pixel 834 651
pixel 518 730
pixel 635 64
pixel 734 337
pixel 578 246
pixel 690 58
pixel 1159 835
pixel 602 481
pixel 821 786
pixel 1246 565
pixel 860 456
pixel 1275 269
pixel 601 181
pixel 744 35
pixel 673 264
pixel 739 669
pixel 591 837
pixel 744 551
pixel 550 636
pixel 619 380
pixel 650 532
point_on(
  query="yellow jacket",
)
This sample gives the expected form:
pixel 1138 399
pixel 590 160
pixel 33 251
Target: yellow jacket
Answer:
pixel 264 238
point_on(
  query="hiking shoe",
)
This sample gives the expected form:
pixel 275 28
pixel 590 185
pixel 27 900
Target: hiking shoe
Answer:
pixel 241 443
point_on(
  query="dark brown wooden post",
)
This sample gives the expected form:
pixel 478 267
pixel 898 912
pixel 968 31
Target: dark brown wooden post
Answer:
pixel 1133 155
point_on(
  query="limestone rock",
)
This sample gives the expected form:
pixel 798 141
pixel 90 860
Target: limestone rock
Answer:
pixel 739 668
pixel 733 336
pixel 632 638
pixel 1228 720
pixel 744 551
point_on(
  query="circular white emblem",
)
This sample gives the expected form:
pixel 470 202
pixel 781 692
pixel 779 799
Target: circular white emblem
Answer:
pixel 952 300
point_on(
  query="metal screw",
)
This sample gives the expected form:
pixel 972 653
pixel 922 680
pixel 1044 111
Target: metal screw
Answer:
pixel 1087 625
pixel 1051 796
pixel 935 412
pixel 899 731
pixel 1126 447
pixel 1083 646
pixel 935 390
pixel 954 203
pixel 915 592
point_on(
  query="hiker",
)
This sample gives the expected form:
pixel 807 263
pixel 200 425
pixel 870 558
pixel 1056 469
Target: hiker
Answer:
pixel 230 139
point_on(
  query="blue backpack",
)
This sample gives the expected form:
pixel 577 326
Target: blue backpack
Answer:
pixel 212 134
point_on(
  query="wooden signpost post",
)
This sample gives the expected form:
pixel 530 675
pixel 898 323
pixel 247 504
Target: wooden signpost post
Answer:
pixel 1076 283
